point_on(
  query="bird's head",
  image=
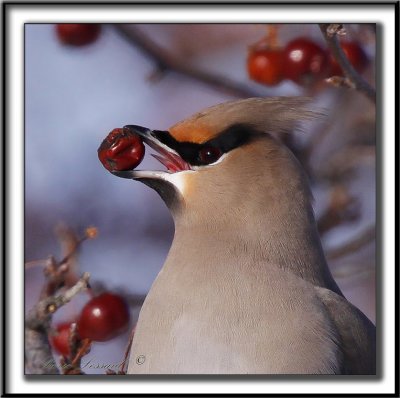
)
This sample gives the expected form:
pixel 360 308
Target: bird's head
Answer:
pixel 225 156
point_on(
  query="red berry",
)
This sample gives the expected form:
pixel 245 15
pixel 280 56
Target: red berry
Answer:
pixel 265 66
pixel 103 317
pixel 78 34
pixel 355 55
pixel 60 339
pixel 305 61
pixel 121 150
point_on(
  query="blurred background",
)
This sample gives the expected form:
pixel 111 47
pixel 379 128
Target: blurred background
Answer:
pixel 155 75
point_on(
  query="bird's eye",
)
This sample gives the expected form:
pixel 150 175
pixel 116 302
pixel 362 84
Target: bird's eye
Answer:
pixel 209 154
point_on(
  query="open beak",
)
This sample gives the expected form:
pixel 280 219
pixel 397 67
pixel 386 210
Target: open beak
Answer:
pixel 165 155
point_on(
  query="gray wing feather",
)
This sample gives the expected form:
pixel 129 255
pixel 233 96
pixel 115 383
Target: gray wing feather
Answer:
pixel 356 333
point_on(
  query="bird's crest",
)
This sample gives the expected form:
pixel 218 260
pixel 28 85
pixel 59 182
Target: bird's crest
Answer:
pixel 272 115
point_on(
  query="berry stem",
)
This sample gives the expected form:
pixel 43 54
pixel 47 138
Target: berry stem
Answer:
pixel 272 35
pixel 82 351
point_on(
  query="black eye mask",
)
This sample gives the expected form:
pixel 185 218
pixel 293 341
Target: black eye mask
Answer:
pixel 210 151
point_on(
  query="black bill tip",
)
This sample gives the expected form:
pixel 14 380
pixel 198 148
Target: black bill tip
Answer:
pixel 139 130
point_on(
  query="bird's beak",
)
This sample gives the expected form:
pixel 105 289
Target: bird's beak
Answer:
pixel 165 155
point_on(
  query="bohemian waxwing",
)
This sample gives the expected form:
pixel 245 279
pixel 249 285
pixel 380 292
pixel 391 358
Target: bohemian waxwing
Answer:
pixel 245 287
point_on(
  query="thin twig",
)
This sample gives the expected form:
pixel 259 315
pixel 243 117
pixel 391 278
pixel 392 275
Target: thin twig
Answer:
pixel 68 295
pixel 166 62
pixel 365 237
pixel 36 263
pixel 354 77
pixel 121 368
pixel 83 350
pixel 127 351
pixel 63 273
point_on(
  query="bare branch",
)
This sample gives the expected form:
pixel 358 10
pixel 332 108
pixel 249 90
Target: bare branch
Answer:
pixel 40 315
pixel 329 31
pixel 166 62
pixel 38 356
pixel 335 29
pixel 354 270
pixel 340 166
pixel 365 237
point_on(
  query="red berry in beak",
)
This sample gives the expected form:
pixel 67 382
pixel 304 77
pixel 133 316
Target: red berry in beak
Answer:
pixel 121 150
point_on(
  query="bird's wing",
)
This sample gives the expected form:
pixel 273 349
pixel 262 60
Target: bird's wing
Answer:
pixel 356 332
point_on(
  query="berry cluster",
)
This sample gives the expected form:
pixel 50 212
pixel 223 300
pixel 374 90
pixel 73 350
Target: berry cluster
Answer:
pixel 101 319
pixel 301 60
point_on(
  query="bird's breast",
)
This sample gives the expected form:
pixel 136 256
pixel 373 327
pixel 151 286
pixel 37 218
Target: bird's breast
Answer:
pixel 239 320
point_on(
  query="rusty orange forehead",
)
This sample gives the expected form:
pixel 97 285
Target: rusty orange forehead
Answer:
pixel 197 133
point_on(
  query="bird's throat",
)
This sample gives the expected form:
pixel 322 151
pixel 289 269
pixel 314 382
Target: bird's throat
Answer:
pixel 288 240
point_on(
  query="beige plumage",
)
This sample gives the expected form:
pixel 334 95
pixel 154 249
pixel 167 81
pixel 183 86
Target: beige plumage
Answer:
pixel 245 287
